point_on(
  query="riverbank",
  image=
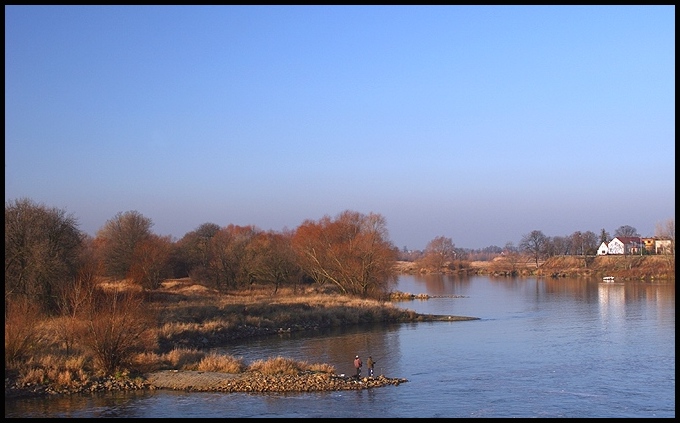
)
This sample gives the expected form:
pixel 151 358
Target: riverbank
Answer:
pixel 623 267
pixel 197 381
pixel 257 382
pixel 192 319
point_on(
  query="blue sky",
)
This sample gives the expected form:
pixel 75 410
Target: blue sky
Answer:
pixel 476 123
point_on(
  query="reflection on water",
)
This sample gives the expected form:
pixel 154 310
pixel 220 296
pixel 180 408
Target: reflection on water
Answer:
pixel 542 348
pixel 333 346
pixel 612 298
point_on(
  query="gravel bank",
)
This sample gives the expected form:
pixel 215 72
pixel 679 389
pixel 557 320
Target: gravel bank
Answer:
pixel 257 382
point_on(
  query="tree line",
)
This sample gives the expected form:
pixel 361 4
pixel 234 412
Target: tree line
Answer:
pixel 47 257
pixel 539 246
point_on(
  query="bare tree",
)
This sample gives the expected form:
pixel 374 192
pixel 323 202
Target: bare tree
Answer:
pixel 42 248
pixel 439 253
pixel 151 261
pixel 583 243
pixel 75 298
pixel 228 256
pixel 22 338
pixel 534 244
pixel 626 230
pixel 352 251
pixel 509 260
pixel 590 243
pixel 271 259
pixel 118 326
pixel 118 239
pixel 560 245
pixel 194 251
pixel 666 230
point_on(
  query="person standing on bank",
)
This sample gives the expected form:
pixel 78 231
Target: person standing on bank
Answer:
pixel 357 365
pixel 370 364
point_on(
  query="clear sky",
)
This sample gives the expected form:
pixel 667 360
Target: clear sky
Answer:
pixel 476 123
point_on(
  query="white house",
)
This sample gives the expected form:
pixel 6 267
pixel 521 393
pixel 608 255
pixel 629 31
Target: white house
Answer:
pixel 625 245
pixel 603 250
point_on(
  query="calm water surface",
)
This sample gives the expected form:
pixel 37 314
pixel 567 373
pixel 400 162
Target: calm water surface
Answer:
pixel 542 348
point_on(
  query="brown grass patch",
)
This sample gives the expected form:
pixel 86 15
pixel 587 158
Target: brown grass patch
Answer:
pixel 287 366
pixel 221 363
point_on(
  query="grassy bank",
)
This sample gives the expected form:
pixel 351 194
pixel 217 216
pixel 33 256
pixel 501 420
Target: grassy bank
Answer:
pixel 623 267
pixel 190 319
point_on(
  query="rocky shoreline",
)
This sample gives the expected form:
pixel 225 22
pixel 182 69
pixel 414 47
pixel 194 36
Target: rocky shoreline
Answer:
pixel 258 382
pixel 197 381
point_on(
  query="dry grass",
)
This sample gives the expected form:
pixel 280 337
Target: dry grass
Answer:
pixel 287 366
pixel 622 266
pixel 232 315
pixel 187 315
pixel 221 363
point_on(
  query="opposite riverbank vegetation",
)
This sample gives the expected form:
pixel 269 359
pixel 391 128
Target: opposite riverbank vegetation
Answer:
pixel 160 339
pixel 647 268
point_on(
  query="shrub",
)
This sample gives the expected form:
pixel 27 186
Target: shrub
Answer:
pixel 221 363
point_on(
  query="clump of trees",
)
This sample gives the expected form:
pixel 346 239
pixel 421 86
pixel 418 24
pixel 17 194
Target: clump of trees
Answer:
pixel 352 251
pixel 441 255
pixel 53 269
pixel 42 253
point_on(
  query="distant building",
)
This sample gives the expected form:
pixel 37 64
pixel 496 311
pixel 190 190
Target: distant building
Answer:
pixel 625 245
pixel 663 246
pixel 648 244
pixel 603 250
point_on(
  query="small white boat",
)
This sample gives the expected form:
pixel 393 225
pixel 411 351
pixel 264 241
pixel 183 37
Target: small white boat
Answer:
pixel 608 279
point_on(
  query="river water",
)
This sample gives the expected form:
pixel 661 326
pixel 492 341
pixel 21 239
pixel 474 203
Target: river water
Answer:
pixel 542 348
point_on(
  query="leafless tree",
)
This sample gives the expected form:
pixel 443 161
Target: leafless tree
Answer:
pixel 439 252
pixel 560 245
pixel 228 256
pixel 118 239
pixel 583 243
pixel 626 230
pixel 271 259
pixel 22 339
pixel 151 261
pixel 118 325
pixel 352 251
pixel 42 248
pixel 193 252
pixel 534 244
pixel 666 230
pixel 74 299
pixel 590 243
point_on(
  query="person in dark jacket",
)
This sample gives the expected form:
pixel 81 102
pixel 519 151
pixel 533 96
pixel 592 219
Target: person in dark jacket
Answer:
pixel 370 363
pixel 357 365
